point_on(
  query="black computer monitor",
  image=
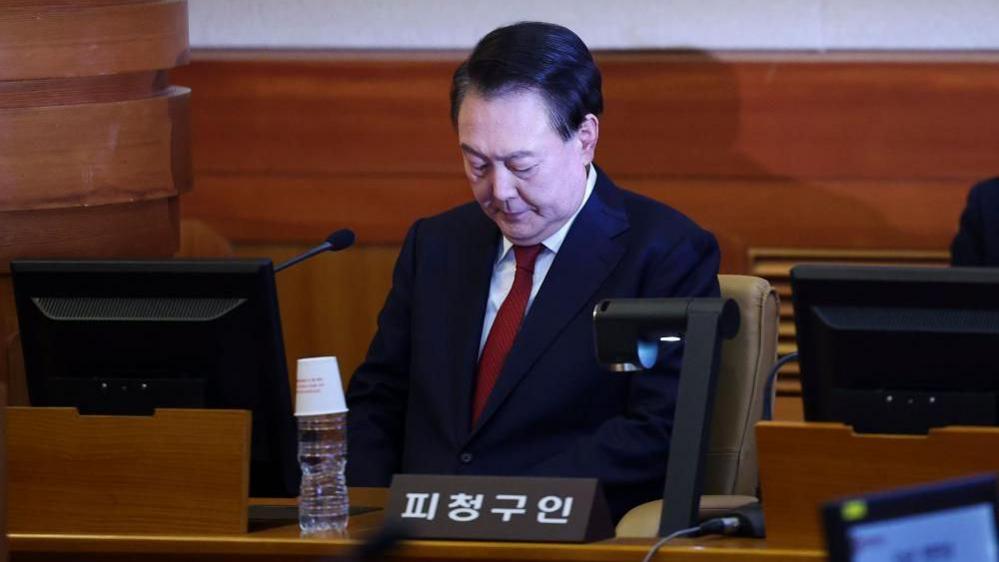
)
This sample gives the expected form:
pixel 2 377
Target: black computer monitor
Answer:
pixel 898 349
pixel 126 337
pixel 951 520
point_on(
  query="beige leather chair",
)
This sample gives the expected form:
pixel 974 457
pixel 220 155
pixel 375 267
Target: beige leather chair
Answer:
pixel 731 468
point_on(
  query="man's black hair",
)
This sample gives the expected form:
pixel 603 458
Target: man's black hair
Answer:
pixel 533 56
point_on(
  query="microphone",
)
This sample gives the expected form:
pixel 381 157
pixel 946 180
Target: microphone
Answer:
pixel 335 242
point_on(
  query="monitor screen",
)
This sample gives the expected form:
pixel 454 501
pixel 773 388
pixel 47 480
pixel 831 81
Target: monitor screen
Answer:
pixel 126 337
pixel 947 521
pixel 898 349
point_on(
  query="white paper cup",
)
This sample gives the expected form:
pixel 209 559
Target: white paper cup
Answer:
pixel 318 389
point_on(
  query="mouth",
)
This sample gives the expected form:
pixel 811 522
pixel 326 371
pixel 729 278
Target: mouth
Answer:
pixel 512 216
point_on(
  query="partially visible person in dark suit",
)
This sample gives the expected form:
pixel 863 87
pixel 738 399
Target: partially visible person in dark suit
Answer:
pixel 484 362
pixel 977 240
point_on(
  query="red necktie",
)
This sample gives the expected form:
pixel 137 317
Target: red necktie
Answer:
pixel 505 327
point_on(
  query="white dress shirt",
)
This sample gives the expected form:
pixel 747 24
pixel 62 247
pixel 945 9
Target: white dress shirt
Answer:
pixel 506 265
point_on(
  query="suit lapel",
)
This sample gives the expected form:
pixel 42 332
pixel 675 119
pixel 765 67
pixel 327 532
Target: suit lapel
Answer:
pixel 587 256
pixel 469 270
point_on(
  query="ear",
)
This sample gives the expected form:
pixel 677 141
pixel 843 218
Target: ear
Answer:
pixel 587 135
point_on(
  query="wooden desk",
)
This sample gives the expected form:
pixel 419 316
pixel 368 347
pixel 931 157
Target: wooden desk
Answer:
pixel 281 542
pixel 284 544
pixel 803 465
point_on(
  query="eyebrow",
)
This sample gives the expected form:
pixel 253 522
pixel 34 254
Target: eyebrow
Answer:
pixel 511 156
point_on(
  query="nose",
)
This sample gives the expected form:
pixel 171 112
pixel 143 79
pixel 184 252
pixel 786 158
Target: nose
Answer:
pixel 504 185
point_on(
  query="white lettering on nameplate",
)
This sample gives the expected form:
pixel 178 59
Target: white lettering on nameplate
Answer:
pixel 549 505
pixel 464 507
pixel 517 507
pixel 417 506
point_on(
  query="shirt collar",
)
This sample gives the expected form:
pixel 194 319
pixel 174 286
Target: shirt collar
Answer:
pixel 554 242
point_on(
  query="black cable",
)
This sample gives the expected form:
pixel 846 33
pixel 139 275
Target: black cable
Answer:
pixel 681 533
pixel 768 392
pixel 718 525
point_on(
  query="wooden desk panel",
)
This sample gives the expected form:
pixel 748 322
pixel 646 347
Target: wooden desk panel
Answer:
pixel 282 542
pixel 803 465
pixel 178 471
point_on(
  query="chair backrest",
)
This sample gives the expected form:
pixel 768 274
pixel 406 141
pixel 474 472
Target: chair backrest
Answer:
pixel 746 361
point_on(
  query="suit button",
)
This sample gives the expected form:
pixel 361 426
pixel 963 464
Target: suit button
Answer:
pixel 466 458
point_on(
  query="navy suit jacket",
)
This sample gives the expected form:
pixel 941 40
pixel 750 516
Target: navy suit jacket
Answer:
pixel 977 240
pixel 554 411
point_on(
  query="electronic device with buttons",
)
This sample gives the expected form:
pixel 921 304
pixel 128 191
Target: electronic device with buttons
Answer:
pixel 949 521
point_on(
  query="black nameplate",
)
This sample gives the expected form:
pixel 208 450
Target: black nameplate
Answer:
pixel 500 508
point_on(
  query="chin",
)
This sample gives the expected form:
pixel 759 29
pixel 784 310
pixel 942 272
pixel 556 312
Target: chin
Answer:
pixel 526 241
pixel 520 238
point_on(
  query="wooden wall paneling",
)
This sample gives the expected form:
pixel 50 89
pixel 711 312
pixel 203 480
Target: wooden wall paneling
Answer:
pixel 85 89
pixel 810 116
pixel 59 38
pixel 95 153
pixel 741 213
pixel 336 122
pixel 329 304
pixel 306 209
pixel 198 240
pixel 145 228
pixel 667 114
pixel 788 407
pixel 833 214
pixel 333 117
pixel 886 121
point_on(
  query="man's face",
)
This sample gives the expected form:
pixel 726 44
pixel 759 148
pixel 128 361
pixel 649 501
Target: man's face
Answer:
pixel 524 176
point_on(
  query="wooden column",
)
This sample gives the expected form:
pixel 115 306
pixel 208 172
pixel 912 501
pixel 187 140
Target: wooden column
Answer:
pixel 94 142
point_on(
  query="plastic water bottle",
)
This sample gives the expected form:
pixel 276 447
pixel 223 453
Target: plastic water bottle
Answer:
pixel 323 504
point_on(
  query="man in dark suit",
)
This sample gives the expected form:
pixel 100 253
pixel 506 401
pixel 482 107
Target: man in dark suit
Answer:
pixel 977 240
pixel 484 360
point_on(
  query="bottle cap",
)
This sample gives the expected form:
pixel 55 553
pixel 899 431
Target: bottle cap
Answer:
pixel 318 389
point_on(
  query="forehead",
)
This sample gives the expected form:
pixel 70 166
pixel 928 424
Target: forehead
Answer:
pixel 510 122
